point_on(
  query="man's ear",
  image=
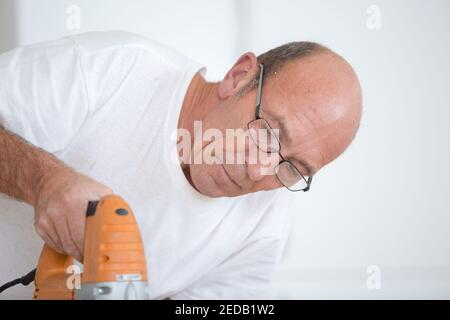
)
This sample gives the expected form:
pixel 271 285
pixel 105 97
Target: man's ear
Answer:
pixel 239 75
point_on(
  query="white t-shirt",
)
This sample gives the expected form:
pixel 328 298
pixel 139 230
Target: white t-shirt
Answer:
pixel 108 103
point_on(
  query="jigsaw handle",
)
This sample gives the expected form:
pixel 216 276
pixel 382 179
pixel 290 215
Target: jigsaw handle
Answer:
pixel 51 276
pixel 113 252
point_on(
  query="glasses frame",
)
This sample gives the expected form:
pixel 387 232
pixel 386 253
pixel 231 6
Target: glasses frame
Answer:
pixel 259 117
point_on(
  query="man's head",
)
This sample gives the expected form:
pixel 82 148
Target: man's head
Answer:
pixel 310 94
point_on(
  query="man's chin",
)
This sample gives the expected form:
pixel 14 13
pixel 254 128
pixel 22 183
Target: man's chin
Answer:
pixel 219 194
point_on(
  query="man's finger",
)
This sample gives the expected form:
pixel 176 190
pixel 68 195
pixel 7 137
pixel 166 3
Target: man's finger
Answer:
pixel 48 233
pixel 68 244
pixel 75 231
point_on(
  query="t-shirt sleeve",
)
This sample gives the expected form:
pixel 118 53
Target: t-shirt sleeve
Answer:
pixel 43 96
pixel 245 275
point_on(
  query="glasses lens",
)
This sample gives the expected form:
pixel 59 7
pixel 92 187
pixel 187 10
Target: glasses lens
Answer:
pixel 263 136
pixel 290 177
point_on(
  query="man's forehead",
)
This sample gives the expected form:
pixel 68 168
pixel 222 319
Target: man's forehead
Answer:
pixel 321 88
pixel 310 103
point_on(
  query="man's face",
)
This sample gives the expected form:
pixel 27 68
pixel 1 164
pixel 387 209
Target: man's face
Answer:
pixel 311 113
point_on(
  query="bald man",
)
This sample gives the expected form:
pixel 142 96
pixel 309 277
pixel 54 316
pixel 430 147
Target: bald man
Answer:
pixel 99 113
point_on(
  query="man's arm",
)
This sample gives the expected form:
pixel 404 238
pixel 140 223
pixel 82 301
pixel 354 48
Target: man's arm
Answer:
pixel 43 105
pixel 23 167
pixel 58 194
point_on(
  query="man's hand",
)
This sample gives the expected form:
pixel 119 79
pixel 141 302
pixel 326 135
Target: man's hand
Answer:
pixel 60 209
pixel 58 193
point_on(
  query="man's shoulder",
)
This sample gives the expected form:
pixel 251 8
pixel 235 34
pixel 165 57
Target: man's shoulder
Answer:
pixel 103 41
pixel 125 47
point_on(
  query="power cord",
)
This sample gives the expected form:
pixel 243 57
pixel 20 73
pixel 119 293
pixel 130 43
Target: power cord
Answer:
pixel 25 280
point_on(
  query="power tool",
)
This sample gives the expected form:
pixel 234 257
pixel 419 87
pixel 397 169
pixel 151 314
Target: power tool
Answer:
pixel 114 264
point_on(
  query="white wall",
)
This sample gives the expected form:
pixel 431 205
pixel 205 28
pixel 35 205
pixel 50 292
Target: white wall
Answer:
pixel 8 36
pixel 203 30
pixel 385 202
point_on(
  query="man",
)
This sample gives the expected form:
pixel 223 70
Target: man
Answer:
pixel 95 114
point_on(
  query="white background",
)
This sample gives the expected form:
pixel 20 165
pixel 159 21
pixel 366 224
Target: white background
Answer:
pixel 384 202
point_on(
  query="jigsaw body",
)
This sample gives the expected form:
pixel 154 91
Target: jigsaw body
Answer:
pixel 114 265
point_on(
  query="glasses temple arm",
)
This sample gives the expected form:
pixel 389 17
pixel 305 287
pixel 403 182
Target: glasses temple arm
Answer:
pixel 259 93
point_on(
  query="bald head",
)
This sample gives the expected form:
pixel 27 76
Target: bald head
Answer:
pixel 317 100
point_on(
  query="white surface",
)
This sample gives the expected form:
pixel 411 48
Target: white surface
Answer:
pixel 385 201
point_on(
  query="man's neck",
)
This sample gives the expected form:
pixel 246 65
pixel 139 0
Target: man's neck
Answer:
pixel 200 97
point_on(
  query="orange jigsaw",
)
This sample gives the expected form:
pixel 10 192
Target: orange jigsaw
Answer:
pixel 114 264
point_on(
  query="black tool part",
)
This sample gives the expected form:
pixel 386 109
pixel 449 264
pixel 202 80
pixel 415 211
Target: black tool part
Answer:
pixel 25 280
pixel 92 206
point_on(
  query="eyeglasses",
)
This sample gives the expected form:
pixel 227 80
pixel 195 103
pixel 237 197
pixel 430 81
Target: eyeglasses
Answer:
pixel 267 141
